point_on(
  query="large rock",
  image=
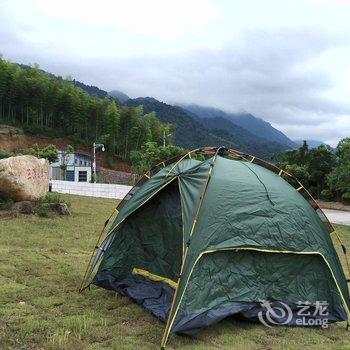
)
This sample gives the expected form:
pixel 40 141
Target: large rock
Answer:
pixel 24 178
pixel 24 207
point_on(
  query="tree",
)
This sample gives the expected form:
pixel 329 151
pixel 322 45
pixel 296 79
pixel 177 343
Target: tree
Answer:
pixel 151 154
pixel 66 156
pixel 321 161
pixel 49 152
pixel 339 178
pixel 298 156
pixel 310 166
pixel 112 128
pixel 301 172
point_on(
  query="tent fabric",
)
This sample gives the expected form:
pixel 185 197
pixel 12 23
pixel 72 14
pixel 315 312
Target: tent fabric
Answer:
pixel 156 297
pixel 236 278
pixel 229 234
pixel 245 217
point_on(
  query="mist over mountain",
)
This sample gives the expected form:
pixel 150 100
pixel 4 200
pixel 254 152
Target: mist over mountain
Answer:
pixel 254 125
pixel 197 126
pixel 192 131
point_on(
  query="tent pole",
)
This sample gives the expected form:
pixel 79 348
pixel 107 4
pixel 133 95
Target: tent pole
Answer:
pixel 344 250
pixel 166 333
pixel 183 157
pixel 170 317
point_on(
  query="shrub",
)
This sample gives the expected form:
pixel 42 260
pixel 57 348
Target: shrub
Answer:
pixel 5 203
pixel 327 194
pixel 346 197
pixel 51 197
pixel 54 197
pixel 49 152
pixel 5 154
pixel 93 178
pixel 43 212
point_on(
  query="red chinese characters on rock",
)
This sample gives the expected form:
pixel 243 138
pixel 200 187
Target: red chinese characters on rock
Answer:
pixel 37 174
pixel 24 178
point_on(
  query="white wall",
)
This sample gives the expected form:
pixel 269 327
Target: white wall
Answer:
pixel 91 189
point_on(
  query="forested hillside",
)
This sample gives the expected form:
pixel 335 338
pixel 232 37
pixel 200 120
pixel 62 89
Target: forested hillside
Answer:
pixel 192 132
pixel 47 105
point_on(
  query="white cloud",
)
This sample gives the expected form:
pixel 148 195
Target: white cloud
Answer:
pixel 287 62
pixel 158 18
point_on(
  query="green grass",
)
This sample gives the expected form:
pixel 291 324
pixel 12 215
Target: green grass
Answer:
pixel 41 264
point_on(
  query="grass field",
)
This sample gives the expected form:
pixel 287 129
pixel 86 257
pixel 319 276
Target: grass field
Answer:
pixel 41 264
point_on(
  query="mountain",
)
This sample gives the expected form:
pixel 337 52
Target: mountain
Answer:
pixel 188 133
pixel 247 141
pixel 192 132
pixel 119 95
pixel 311 143
pixel 254 125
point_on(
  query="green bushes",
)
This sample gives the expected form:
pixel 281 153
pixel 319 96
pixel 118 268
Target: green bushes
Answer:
pixel 51 197
pixel 49 152
pixel 5 154
pixel 325 172
pixel 346 197
pixel 327 194
pixel 93 178
pixel 43 212
pixel 151 154
pixel 5 203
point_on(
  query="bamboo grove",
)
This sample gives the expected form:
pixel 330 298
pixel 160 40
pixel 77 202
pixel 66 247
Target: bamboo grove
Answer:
pixel 44 104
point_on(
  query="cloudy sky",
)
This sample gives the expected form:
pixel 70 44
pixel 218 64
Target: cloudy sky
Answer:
pixel 285 61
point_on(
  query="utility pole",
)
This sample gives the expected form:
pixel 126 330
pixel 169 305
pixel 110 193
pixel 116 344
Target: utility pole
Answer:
pixel 95 146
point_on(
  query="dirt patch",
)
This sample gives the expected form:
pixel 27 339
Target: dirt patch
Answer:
pixel 109 176
pixel 6 215
pixel 333 205
pixel 13 139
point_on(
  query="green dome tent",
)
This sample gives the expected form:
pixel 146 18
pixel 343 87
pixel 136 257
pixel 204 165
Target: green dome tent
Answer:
pixel 216 232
